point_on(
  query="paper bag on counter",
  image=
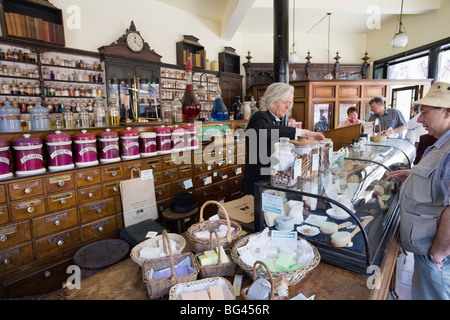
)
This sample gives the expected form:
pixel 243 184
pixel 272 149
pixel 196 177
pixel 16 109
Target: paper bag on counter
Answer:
pixel 240 210
pixel 138 198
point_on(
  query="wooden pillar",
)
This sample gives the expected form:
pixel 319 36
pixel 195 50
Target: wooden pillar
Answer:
pixel 281 41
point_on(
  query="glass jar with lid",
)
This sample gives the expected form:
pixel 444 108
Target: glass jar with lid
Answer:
pixel 177 110
pixel 325 154
pixel 282 163
pixel 307 157
pixel 39 116
pixel 113 113
pixel 166 112
pixel 68 119
pixel 84 116
pixel 99 113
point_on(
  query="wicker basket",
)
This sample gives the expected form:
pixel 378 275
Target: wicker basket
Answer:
pixel 201 284
pixel 273 295
pixel 153 243
pixel 160 287
pixel 220 269
pixel 200 245
pixel 293 276
pixel 380 137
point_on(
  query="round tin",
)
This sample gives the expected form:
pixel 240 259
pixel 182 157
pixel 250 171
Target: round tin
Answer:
pixel 59 146
pixel 129 144
pixel 28 155
pixel 85 149
pixel 190 138
pixel 109 146
pixel 163 140
pixel 178 139
pixel 148 144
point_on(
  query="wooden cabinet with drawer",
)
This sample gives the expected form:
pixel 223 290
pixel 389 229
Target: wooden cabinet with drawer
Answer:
pixel 185 171
pixel 170 175
pixel 97 210
pixel 16 257
pixel 87 177
pixel 112 173
pixel 3 197
pixel 61 201
pixel 12 234
pixel 154 163
pixel 89 194
pixel 25 189
pixel 27 209
pixel 55 222
pixel 219 175
pixel 162 191
pixel 4 214
pixel 58 183
pixel 182 186
pixel 111 189
pixel 99 228
pixel 234 184
pixel 202 180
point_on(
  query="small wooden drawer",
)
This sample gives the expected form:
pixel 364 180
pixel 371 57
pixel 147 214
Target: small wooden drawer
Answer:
pixel 61 201
pixel 154 163
pixel 169 162
pixel 15 233
pixel 240 147
pixel 27 209
pixel 87 177
pixel 59 183
pixel 170 175
pixel 202 180
pixel 185 172
pixel 234 171
pixel 98 210
pixel 90 194
pixel 4 216
pixel 25 189
pixel 198 156
pixel 16 257
pixel 162 191
pixel 203 194
pixel 157 178
pixel 3 197
pixel 234 184
pixel 112 173
pixel 130 166
pixel 202 168
pixel 57 242
pixel 99 228
pixel 220 189
pixel 219 164
pixel 185 185
pixel 111 189
pixel 219 175
pixel 55 222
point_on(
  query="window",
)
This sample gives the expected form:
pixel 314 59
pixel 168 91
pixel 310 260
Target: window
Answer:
pixel 444 65
pixel 411 69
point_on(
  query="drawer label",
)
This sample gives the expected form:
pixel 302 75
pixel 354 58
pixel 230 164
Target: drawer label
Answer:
pixel 60 237
pixel 59 179
pixel 18 186
pixel 57 217
pixel 27 204
pixel 109 170
pixel 60 197
pixel 6 231
pixel 97 206
pixel 97 225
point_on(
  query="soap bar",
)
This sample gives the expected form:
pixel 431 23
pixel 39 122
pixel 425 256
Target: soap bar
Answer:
pixel 149 253
pixel 269 264
pixel 204 260
pixel 201 295
pixel 212 255
pixel 284 262
pixel 216 292
pixel 188 296
pixel 288 251
pixel 269 251
pixel 223 256
pixel 165 273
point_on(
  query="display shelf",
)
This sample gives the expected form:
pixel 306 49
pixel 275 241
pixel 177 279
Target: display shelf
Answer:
pixel 189 47
pixel 229 61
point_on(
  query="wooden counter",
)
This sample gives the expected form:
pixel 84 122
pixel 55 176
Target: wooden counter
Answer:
pixel 123 281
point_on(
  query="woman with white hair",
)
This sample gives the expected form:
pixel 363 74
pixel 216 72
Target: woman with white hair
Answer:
pixel 267 125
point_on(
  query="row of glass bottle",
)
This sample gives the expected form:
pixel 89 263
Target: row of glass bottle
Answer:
pixel 72 76
pixel 14 54
pixel 16 70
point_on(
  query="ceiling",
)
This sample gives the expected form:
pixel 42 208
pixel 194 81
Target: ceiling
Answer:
pixel 347 16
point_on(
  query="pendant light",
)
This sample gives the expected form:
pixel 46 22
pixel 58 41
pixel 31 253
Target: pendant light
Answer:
pixel 328 76
pixel 293 56
pixel 400 39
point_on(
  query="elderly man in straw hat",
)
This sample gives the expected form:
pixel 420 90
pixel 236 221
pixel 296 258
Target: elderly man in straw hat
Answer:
pixel 425 201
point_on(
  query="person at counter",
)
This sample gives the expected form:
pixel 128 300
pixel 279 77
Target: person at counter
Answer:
pixel 425 201
pixel 264 129
pixel 392 122
pixel 352 118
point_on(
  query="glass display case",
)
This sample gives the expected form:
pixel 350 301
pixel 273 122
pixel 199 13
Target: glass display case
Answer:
pixel 327 210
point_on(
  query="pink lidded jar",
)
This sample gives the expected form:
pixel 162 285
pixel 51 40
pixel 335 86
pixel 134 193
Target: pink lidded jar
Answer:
pixel 28 154
pixel 148 144
pixel 163 140
pixel 5 163
pixel 177 139
pixel 85 149
pixel 130 144
pixel 59 146
pixel 109 146
pixel 190 138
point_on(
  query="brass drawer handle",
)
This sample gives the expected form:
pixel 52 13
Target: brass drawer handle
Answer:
pixel 115 189
pixel 6 261
pixel 99 210
pixel 114 173
pixel 3 238
pixel 61 183
pixel 30 209
pixel 89 178
pixel 63 201
pixel 90 195
pixel 60 242
pixel 28 190
pixel 57 222
pixel 100 229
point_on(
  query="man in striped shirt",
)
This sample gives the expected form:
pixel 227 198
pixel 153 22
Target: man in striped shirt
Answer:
pixel 391 120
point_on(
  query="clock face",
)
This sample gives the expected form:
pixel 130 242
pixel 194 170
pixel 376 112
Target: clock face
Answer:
pixel 135 42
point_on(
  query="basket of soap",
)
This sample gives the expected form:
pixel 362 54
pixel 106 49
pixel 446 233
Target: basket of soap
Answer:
pixel 153 248
pixel 198 234
pixel 215 288
pixel 161 274
pixel 291 261
pixel 215 263
pixel 261 288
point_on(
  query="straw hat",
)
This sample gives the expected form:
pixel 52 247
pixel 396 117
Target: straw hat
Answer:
pixel 437 96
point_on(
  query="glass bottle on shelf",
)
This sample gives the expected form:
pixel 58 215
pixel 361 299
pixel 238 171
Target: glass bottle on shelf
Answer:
pixel 14 88
pixel 114 113
pixel 177 112
pixel 6 89
pixel 238 109
pixel 84 116
pixel 99 113
pixel 37 89
pixel 68 119
pixel 166 112
pixel 21 89
pixel 219 111
pixel 190 105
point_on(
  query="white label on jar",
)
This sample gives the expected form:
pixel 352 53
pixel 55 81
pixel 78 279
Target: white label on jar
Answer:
pixel 178 140
pixel 132 144
pixel 59 152
pixel 31 157
pixel 4 160
pixel 315 162
pixel 150 143
pixel 87 149
pixel 297 168
pixel 110 147
pixel 165 141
